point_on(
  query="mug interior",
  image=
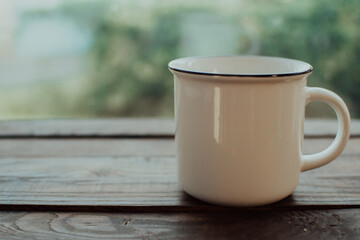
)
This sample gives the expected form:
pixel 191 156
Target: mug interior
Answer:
pixel 241 66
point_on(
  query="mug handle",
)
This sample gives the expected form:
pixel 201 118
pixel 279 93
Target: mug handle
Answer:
pixel 316 160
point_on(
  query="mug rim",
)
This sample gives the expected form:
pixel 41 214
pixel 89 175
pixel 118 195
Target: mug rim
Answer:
pixel 172 66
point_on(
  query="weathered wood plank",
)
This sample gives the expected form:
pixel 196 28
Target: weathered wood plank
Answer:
pixel 320 224
pixel 133 127
pixel 85 147
pixel 147 183
pixel 120 147
pixel 124 127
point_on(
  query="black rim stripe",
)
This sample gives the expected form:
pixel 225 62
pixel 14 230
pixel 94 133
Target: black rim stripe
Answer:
pixel 243 75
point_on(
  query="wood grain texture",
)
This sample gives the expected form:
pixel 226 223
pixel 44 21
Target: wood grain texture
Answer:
pixel 148 183
pixel 330 224
pixel 62 187
pixel 133 127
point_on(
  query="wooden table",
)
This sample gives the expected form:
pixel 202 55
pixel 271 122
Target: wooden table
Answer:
pixel 105 179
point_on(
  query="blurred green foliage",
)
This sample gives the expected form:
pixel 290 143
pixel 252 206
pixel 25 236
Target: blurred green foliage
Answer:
pixel 323 33
pixel 130 75
pixel 132 45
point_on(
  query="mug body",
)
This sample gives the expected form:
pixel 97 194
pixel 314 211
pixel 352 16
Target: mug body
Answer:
pixel 239 135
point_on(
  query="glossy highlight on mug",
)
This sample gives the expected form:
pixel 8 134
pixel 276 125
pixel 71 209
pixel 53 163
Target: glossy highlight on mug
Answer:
pixel 217 110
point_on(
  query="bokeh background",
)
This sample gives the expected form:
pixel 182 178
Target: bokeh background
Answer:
pixel 108 58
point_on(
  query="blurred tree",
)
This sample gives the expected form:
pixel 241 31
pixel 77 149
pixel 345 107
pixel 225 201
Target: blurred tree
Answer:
pixel 130 76
pixel 323 33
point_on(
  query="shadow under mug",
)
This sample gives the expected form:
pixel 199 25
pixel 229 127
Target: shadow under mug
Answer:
pixel 239 127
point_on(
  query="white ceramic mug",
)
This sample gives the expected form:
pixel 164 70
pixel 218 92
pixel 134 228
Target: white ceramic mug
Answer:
pixel 239 127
